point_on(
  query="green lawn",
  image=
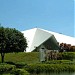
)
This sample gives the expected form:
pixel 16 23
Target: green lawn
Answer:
pixel 32 57
pixel 30 62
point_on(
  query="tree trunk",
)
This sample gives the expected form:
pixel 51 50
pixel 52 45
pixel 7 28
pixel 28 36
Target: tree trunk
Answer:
pixel 2 57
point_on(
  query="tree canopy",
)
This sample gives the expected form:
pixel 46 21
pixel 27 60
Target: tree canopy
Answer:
pixel 11 40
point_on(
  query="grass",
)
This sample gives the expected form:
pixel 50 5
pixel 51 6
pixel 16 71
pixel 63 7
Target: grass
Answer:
pixel 30 62
pixel 21 57
pixel 32 57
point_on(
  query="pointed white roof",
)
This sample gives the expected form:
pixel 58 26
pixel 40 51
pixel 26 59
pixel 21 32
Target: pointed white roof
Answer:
pixel 37 36
pixel 63 38
pixel 29 34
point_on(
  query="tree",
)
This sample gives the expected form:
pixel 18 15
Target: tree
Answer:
pixel 11 40
pixel 2 42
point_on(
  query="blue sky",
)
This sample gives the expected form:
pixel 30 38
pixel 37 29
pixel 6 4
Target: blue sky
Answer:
pixel 52 15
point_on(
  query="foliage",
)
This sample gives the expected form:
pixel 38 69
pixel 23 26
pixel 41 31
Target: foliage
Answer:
pixel 38 68
pixel 20 72
pixel 60 62
pixel 65 55
pixel 33 57
pixel 68 55
pixel 60 56
pixel 18 64
pixel 30 62
pixel 6 68
pixel 11 40
pixel 66 47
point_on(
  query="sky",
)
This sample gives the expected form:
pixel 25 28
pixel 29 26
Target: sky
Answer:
pixel 52 15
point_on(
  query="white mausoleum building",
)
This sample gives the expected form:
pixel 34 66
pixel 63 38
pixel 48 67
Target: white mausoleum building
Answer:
pixel 39 38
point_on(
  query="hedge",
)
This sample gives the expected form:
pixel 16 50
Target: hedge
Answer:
pixel 60 62
pixel 16 72
pixel 20 72
pixel 38 68
pixel 17 64
pixel 5 68
pixel 68 55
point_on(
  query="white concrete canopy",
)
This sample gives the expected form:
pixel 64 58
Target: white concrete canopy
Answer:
pixel 36 37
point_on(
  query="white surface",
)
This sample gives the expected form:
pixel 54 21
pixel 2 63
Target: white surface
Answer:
pixel 29 34
pixel 37 36
pixel 63 38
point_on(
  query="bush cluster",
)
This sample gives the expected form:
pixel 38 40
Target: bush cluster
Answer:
pixel 52 55
pixel 22 68
pixel 5 68
pixel 19 72
pixel 17 64
pixel 65 55
pixel 60 62
pixel 68 55
pixel 38 68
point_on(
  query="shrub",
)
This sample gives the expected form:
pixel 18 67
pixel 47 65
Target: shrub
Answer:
pixel 59 62
pixel 18 64
pixel 37 68
pixel 68 55
pixel 5 68
pixel 20 72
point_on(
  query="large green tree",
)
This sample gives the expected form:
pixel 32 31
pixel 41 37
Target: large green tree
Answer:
pixel 11 40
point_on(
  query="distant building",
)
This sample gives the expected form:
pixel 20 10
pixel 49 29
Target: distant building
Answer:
pixel 38 38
